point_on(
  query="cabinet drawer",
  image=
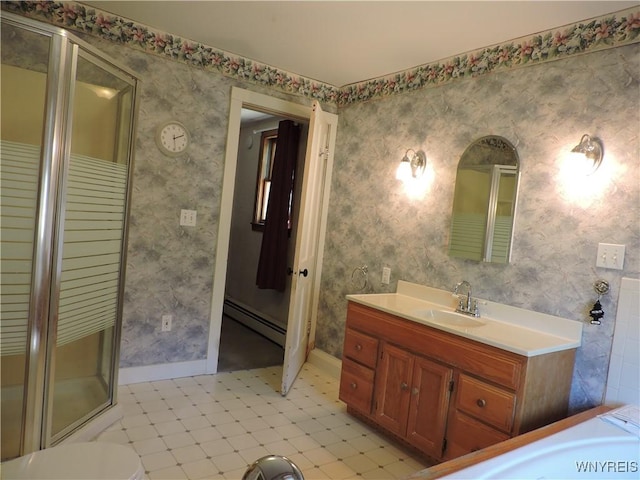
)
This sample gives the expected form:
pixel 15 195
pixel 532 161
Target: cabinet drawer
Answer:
pixel 360 347
pixel 356 385
pixel 485 402
pixel 465 435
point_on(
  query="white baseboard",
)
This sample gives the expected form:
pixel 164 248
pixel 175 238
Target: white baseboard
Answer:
pixel 165 371
pixel 151 373
pixel 325 362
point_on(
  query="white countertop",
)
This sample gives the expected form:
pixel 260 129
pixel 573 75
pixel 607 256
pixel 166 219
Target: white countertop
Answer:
pixel 513 329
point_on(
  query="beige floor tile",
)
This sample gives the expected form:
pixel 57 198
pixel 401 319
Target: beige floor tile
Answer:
pixel 214 426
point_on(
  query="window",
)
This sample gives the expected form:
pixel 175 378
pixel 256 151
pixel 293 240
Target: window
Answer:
pixel 267 153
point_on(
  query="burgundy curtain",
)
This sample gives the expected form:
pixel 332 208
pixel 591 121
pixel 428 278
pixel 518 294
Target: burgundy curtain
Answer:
pixel 272 266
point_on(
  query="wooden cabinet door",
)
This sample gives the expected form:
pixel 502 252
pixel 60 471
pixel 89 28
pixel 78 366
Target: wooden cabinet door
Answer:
pixel 393 391
pixel 429 405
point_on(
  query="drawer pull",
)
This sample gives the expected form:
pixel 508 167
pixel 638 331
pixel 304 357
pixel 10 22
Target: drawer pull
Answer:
pixel 358 347
pixel 354 385
pixel 481 402
pixel 404 386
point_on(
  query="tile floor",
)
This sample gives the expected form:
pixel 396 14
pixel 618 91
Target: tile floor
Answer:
pixel 214 426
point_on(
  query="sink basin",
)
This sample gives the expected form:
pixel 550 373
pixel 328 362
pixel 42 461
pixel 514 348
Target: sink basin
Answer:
pixel 443 317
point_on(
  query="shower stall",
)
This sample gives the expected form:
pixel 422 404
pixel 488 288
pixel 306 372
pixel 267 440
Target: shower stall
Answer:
pixel 66 143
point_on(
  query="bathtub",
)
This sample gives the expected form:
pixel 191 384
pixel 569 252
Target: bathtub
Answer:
pixel 594 449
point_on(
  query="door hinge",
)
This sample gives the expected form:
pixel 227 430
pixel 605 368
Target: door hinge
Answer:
pixel 451 383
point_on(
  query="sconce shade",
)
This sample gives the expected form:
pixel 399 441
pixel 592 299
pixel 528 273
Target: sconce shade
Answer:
pixel 412 165
pixel 404 169
pixel 590 151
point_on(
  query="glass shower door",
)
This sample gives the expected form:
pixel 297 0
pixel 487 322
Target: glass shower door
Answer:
pixel 67 116
pixel 23 78
pixel 90 248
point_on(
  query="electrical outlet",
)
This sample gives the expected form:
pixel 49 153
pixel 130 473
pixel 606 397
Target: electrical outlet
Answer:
pixel 610 256
pixel 386 275
pixel 166 323
pixel 188 218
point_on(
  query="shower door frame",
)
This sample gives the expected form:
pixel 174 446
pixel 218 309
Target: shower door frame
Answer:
pixel 64 51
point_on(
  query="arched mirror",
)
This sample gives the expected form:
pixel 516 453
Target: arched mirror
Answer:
pixel 484 201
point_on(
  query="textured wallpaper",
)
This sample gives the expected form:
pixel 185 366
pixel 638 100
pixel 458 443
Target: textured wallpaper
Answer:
pixel 543 110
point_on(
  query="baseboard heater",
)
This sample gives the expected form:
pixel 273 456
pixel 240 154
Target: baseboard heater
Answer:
pixel 254 320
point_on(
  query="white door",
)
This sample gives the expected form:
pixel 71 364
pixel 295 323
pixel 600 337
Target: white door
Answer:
pixel 306 263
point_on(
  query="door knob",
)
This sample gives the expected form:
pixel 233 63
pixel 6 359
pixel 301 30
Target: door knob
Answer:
pixel 289 271
pixel 303 272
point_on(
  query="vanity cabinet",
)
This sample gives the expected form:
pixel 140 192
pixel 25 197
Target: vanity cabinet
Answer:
pixel 443 394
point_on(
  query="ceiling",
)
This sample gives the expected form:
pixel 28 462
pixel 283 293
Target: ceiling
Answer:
pixel 344 42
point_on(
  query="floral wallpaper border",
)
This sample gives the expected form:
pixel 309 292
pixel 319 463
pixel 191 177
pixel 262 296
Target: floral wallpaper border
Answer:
pixel 608 31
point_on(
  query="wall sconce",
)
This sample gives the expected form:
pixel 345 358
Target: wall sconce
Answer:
pixel 588 153
pixel 412 165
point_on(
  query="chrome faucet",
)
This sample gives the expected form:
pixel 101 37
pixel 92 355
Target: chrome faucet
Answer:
pixel 467 305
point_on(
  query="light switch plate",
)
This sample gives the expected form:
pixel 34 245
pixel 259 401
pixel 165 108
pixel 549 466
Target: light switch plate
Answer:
pixel 188 218
pixel 610 256
pixel 386 275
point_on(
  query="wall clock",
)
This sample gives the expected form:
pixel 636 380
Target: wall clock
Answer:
pixel 172 138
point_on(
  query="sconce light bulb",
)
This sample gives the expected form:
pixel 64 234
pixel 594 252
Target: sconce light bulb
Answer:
pixel 403 172
pixel 587 155
pixel 411 167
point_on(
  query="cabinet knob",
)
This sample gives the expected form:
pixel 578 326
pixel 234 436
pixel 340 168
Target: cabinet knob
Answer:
pixel 415 391
pixel 404 386
pixel 358 347
pixel 481 402
pixel 354 385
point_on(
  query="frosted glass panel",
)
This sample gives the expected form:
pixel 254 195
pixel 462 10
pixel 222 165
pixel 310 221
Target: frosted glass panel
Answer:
pixel 94 218
pixel 23 82
pixel 469 219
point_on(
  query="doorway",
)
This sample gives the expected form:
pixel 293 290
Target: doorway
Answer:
pixel 254 320
pixel 310 229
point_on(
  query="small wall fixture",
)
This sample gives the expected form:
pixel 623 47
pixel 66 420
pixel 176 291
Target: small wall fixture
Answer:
pixel 412 165
pixel 589 153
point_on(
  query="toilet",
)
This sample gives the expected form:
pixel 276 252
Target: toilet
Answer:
pixel 77 461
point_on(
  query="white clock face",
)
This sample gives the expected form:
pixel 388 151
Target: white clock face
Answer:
pixel 173 138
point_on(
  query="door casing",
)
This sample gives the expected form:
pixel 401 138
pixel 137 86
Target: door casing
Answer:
pixel 240 99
